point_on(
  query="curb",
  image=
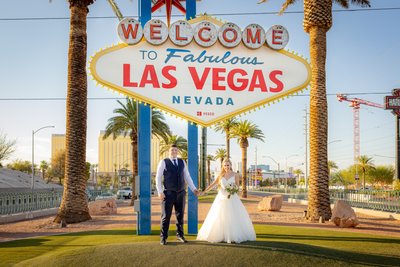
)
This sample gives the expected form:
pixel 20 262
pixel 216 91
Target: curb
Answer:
pixel 27 215
pixel 377 213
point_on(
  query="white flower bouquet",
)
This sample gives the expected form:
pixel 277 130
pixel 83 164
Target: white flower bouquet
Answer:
pixel 231 189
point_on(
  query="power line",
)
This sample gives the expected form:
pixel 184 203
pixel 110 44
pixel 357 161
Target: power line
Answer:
pixel 59 99
pixel 361 93
pixel 213 14
pixel 122 98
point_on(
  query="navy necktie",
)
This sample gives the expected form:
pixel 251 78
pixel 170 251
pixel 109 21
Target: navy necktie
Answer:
pixel 176 165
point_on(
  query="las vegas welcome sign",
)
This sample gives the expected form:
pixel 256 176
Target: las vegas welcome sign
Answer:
pixel 202 70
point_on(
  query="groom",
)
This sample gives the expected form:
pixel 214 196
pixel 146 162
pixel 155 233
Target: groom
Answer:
pixel 175 174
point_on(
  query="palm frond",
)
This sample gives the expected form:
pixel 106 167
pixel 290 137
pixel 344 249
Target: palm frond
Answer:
pixel 225 125
pixel 246 129
pixel 345 3
pixel 286 5
pixel 342 3
pixel 220 153
pixel 177 140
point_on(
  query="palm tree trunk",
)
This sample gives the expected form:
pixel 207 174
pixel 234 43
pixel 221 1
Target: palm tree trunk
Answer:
pixel 318 194
pixel 228 145
pixel 364 180
pixel 208 173
pixel 74 205
pixel 134 165
pixel 244 171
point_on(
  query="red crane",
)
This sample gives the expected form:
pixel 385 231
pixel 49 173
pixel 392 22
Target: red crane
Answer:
pixel 355 103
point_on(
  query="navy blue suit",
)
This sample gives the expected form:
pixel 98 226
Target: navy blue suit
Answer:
pixel 175 195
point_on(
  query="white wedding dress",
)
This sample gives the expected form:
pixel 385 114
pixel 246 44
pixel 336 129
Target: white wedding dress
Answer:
pixel 227 220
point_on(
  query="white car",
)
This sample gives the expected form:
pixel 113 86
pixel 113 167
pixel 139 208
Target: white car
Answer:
pixel 125 193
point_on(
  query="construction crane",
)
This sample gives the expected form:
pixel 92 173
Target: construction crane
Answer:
pixel 355 103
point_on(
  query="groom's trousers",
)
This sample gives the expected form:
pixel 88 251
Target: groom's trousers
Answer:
pixel 174 200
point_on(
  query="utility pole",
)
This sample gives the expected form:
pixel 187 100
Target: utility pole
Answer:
pixel 306 145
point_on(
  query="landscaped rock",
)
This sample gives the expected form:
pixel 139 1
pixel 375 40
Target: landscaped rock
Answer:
pixel 343 215
pixel 103 207
pixel 271 203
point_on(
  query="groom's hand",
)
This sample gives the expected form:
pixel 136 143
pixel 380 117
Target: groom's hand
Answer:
pixel 161 196
pixel 196 192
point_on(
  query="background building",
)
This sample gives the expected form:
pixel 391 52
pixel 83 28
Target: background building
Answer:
pixel 263 167
pixel 114 154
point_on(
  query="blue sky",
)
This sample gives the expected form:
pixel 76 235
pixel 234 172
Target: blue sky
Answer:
pixel 363 58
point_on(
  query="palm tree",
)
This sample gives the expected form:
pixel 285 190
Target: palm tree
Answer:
pixel 74 205
pixel 44 166
pixel 177 140
pixel 382 175
pixel 226 127
pixel 220 154
pixel 316 22
pixel 366 164
pixel 243 131
pixel 125 123
pixel 209 158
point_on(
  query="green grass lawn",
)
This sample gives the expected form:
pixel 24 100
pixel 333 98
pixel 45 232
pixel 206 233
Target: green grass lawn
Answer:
pixel 275 246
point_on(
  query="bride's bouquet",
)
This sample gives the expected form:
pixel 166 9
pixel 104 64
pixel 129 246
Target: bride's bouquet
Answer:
pixel 231 189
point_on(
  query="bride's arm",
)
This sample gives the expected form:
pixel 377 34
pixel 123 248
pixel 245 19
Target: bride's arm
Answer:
pixel 211 186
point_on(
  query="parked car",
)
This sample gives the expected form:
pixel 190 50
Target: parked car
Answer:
pixel 125 193
pixel 105 195
pixel 89 196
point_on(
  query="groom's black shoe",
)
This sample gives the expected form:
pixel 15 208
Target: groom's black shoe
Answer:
pixel 163 241
pixel 181 239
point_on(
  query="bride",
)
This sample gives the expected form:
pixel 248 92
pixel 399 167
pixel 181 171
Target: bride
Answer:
pixel 227 220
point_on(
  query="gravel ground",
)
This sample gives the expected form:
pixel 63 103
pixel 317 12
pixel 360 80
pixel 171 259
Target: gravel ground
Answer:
pixel 290 215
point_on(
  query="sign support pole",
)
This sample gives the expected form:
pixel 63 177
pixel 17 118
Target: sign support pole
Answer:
pixel 203 158
pixel 193 165
pixel 193 161
pixel 144 147
pixel 397 174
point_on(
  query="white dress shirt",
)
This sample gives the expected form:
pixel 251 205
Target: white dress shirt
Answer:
pixel 160 173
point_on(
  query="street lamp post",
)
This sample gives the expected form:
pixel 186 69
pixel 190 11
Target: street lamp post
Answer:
pixel 33 153
pixel 286 169
pixel 338 140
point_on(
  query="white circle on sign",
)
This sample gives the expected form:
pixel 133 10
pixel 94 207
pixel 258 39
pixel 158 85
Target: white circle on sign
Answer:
pixel 253 36
pixel 205 34
pixel 155 32
pixel 130 31
pixel 277 37
pixel 181 33
pixel 229 35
